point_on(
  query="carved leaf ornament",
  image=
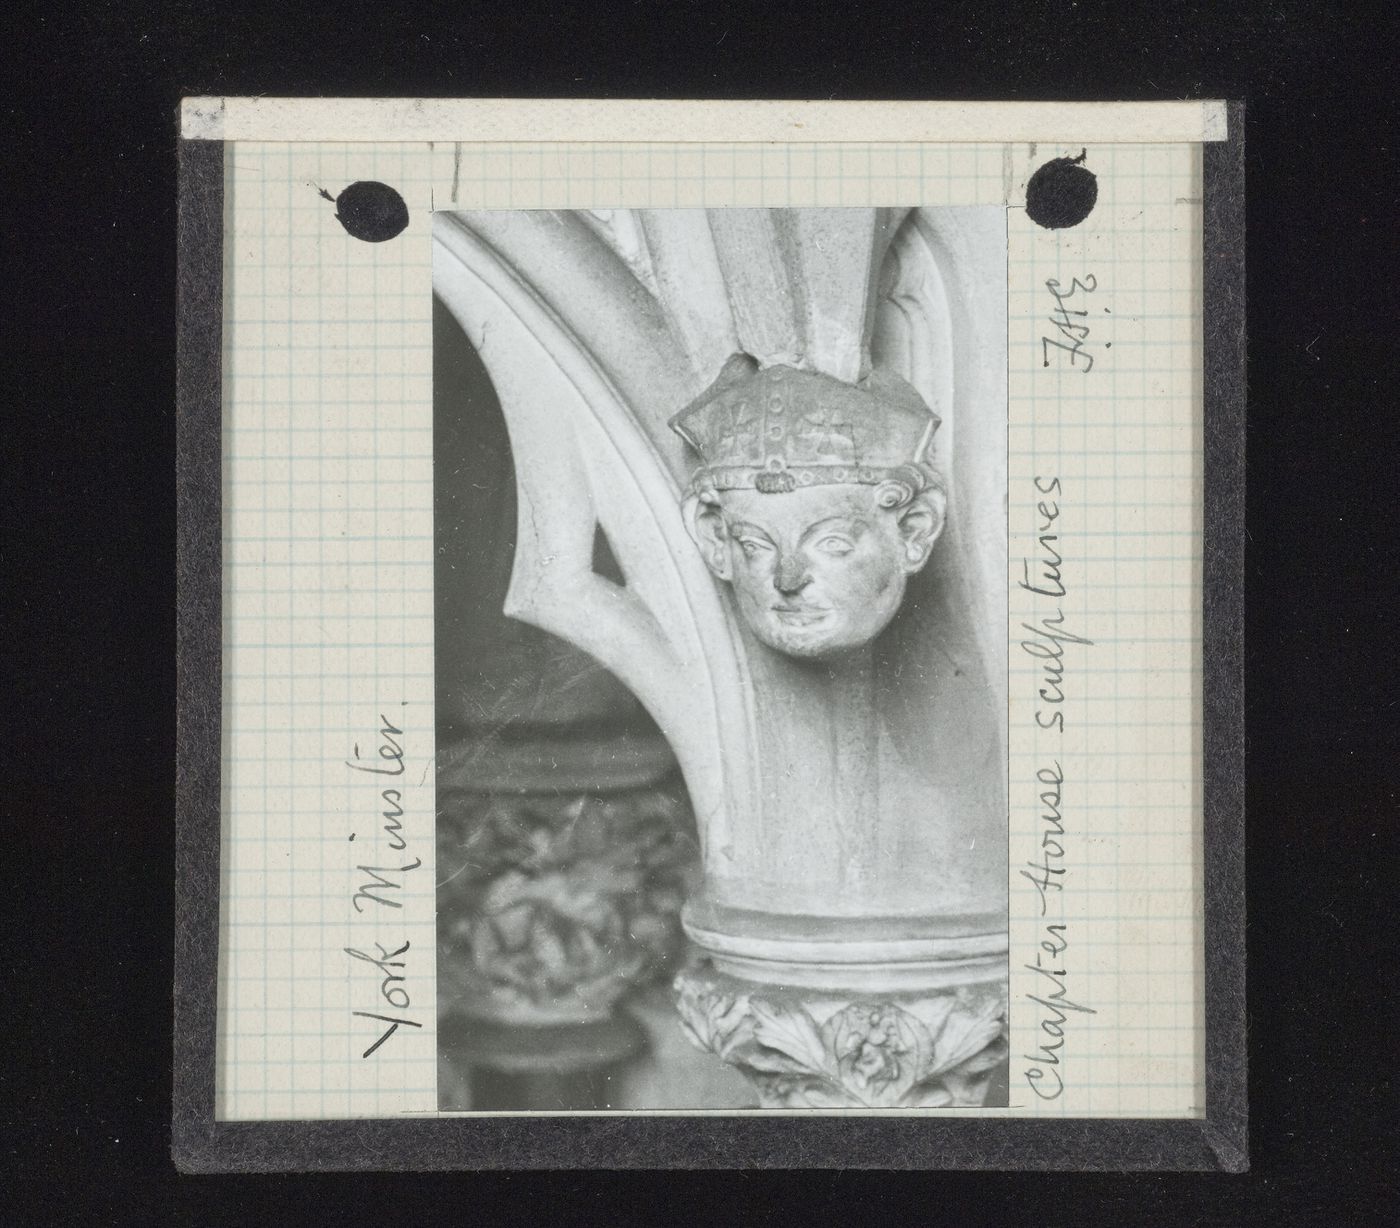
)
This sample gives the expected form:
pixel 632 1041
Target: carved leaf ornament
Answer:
pixel 869 1053
pixel 560 905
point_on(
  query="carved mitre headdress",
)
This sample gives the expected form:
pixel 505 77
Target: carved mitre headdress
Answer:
pixel 779 428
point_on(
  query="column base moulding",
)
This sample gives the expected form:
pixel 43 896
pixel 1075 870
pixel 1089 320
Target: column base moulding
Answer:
pixel 546 1049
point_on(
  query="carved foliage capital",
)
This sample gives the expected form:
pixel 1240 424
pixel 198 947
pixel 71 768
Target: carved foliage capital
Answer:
pixel 815 1050
pixel 553 907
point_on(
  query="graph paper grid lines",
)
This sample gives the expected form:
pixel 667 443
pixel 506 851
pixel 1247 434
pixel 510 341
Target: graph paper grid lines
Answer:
pixel 328 583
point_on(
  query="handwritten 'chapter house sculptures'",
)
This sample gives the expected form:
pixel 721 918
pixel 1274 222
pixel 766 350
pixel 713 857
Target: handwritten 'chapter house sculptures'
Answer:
pixel 815 501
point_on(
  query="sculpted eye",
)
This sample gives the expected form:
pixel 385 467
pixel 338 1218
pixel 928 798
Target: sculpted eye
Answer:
pixel 752 547
pixel 835 545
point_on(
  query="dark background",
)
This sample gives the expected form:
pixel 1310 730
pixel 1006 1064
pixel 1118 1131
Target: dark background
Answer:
pixel 88 547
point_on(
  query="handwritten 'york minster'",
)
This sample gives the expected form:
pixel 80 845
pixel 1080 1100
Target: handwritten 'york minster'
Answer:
pixel 382 882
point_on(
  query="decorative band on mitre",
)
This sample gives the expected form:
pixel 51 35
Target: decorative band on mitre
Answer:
pixel 776 429
pixel 780 479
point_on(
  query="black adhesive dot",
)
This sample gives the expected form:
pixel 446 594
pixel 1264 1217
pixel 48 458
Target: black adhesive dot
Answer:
pixel 1062 193
pixel 370 211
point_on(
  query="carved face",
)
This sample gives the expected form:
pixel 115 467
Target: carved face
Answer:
pixel 818 570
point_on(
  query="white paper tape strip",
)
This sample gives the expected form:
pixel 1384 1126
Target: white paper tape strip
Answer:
pixel 627 120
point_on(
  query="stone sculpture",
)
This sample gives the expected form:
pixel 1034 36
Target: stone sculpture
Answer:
pixel 815 501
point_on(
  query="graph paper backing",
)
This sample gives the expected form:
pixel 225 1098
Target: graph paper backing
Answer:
pixel 327 501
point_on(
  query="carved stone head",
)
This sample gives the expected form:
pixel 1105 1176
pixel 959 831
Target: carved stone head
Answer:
pixel 815 500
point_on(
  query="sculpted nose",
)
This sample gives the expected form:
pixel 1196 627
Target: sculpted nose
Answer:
pixel 792 574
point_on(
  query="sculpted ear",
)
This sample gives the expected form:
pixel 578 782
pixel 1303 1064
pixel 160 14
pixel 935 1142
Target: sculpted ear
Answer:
pixel 920 523
pixel 706 528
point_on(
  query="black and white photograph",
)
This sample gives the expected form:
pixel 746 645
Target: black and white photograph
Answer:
pixel 720 558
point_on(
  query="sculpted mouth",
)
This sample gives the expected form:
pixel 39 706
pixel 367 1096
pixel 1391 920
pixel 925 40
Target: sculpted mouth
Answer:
pixel 799 616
